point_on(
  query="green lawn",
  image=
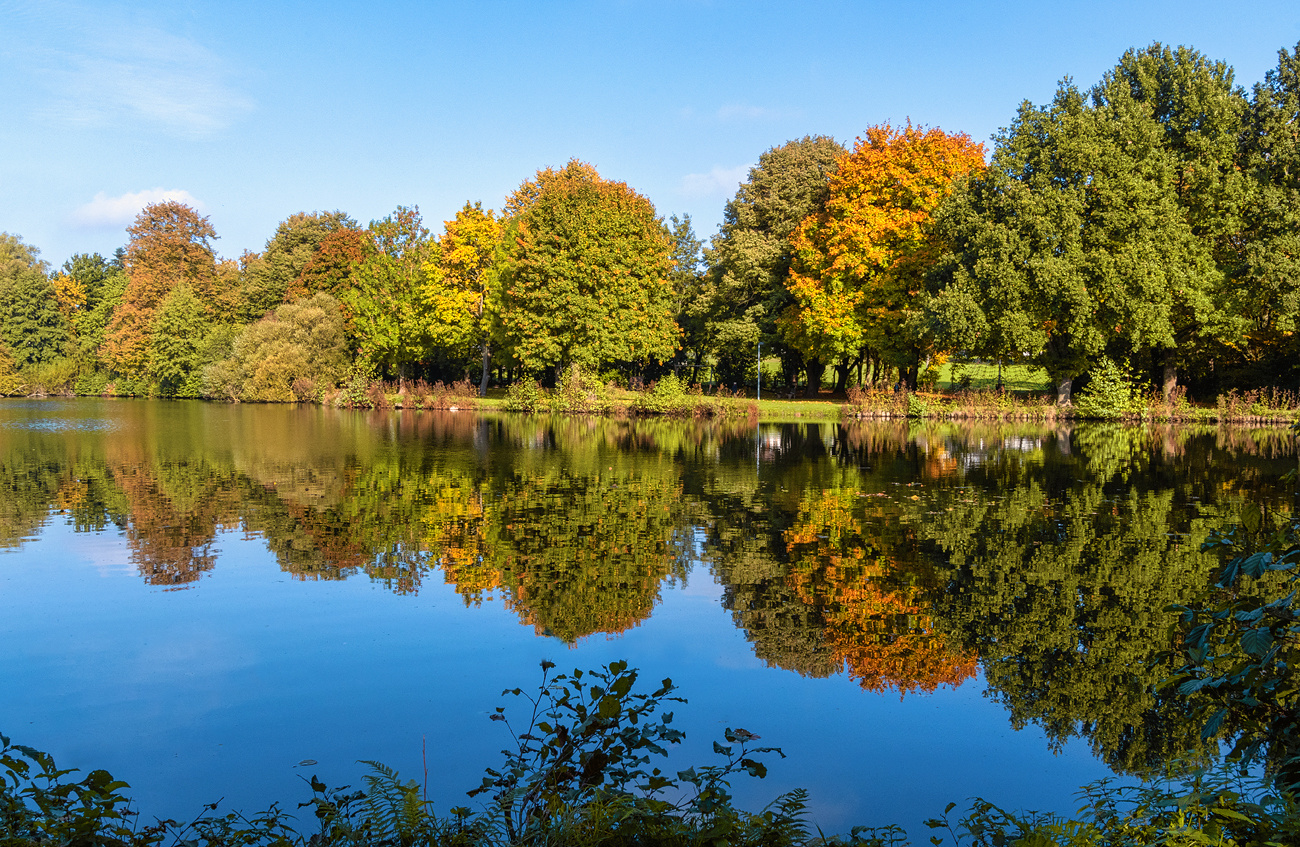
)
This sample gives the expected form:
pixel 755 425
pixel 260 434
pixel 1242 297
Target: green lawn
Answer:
pixel 985 377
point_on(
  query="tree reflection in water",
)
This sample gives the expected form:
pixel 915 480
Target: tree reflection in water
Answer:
pixel 906 556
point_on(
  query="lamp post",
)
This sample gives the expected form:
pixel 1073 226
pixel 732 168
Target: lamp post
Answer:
pixel 758 393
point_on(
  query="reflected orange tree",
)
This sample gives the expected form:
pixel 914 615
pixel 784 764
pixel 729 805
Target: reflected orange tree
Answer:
pixel 874 608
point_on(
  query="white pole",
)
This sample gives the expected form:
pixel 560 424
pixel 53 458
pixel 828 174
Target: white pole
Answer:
pixel 758 395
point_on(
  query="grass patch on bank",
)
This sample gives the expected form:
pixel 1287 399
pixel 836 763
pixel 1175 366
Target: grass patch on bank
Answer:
pixel 981 376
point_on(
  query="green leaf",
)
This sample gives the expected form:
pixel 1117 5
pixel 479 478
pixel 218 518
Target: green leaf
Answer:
pixel 622 685
pixel 1257 641
pixel 1212 725
pixel 609 708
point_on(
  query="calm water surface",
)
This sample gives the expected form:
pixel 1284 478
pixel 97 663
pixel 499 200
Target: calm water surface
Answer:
pixel 201 597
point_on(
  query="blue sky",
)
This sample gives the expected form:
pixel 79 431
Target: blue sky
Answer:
pixel 252 111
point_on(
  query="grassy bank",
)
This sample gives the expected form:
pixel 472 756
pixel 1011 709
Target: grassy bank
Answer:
pixel 670 398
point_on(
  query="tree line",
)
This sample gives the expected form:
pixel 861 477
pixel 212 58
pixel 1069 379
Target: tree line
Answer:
pixel 1149 223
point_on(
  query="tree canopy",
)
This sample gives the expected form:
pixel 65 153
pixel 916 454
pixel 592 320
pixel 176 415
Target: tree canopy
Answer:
pixel 750 257
pixel 170 244
pixel 586 274
pixel 861 261
pixel 30 323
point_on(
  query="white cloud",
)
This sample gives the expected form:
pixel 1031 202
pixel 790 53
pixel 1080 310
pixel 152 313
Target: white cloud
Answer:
pixel 108 69
pixel 105 211
pixel 719 182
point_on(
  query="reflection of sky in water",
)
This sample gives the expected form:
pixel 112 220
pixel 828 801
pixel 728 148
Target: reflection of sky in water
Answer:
pixel 191 690
pixel 222 690
pixel 59 425
pixel 34 415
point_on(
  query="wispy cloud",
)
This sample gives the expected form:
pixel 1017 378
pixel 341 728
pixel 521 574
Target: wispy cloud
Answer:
pixel 103 211
pixel 718 182
pixel 745 112
pixel 99 69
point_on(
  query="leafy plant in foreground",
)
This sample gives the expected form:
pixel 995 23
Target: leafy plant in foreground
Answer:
pixel 588 745
pixel 1241 653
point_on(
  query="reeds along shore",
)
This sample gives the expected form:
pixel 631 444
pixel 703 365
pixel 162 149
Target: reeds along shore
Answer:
pixel 1259 406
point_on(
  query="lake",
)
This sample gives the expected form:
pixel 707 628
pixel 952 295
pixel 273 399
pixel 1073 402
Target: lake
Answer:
pixel 219 601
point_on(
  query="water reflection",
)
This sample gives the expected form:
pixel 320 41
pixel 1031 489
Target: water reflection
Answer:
pixel 906 555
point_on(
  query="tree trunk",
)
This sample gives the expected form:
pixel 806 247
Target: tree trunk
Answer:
pixel 1063 391
pixel 842 376
pixel 487 367
pixel 815 370
pixel 1170 381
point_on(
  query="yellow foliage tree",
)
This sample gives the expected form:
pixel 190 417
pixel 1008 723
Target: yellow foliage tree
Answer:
pixel 458 283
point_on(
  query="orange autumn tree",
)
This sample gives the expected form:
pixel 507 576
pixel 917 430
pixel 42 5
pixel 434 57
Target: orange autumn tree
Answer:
pixel 860 262
pixel 877 624
pixel 170 246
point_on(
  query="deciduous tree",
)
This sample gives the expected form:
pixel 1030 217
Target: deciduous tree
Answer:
pixel 461 282
pixel 381 298
pixel 585 279
pixel 861 262
pixel 274 276
pixel 1076 242
pixel 170 244
pixel 176 338
pixel 1267 293
pixel 750 257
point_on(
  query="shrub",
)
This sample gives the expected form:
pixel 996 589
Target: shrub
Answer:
pixel 666 396
pixel 526 395
pixel 1109 395
pixel 53 378
pixel 11 381
pixel 300 340
pixel 354 391
pixel 304 389
pixel 577 393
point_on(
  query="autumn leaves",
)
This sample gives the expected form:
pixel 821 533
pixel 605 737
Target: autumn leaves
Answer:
pixel 861 261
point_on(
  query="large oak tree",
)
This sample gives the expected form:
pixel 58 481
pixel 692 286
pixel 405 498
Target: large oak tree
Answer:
pixel 1099 228
pixel 586 276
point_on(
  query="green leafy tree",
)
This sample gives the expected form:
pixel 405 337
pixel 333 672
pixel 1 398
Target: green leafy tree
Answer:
pixel 274 276
pixel 585 280
pixel 30 322
pixel 1199 114
pixel 176 344
pixel 690 301
pixel 382 297
pixel 1076 241
pixel 750 257
pixel 101 284
pixel 1267 294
